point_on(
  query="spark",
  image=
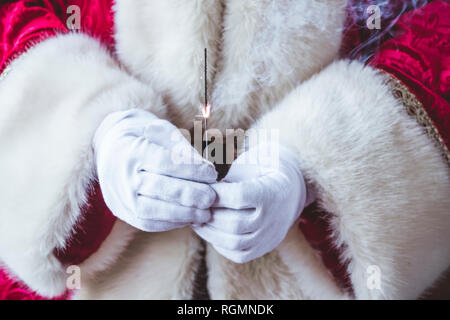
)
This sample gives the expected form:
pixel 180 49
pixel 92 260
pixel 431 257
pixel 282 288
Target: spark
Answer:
pixel 206 110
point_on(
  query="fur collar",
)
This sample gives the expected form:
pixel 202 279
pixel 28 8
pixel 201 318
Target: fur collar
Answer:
pixel 258 51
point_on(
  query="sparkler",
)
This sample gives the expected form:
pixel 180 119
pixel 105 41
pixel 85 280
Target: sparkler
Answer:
pixel 206 110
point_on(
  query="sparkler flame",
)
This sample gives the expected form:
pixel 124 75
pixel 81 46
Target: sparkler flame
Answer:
pixel 206 111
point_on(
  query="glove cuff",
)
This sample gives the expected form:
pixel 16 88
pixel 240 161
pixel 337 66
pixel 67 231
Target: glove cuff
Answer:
pixel 282 155
pixel 114 119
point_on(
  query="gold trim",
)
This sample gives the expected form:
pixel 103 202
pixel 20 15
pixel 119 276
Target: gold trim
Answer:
pixel 416 109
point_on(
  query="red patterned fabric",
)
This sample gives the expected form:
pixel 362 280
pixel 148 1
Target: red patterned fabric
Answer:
pixel 419 56
pixel 417 52
pixel 93 228
pixel 11 289
pixel 27 22
pixel 315 225
pixel 90 232
pixel 23 24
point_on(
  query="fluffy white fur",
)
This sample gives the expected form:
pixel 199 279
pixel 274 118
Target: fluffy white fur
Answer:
pixel 154 266
pixel 269 47
pixel 163 42
pixel 53 99
pixel 384 181
pixel 266 49
pixel 293 271
pixel 374 169
pixel 109 252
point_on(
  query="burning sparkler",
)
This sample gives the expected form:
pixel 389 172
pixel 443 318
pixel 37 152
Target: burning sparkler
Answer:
pixel 206 110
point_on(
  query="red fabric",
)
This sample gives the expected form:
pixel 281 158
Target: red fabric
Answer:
pixel 27 22
pixel 93 228
pixel 11 289
pixel 90 232
pixel 418 55
pixel 315 225
pixel 360 42
pixel 416 51
pixel 23 24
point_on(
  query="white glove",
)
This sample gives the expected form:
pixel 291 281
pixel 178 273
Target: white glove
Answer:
pixel 257 203
pixel 149 174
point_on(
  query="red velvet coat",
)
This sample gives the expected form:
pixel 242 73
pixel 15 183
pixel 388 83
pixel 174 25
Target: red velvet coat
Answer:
pixel 416 51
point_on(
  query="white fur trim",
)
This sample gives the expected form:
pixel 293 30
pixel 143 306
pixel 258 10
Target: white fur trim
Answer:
pixel 110 250
pixel 155 266
pixel 385 182
pixel 266 49
pixel 53 99
pixel 293 271
pixel 162 42
pixel 269 47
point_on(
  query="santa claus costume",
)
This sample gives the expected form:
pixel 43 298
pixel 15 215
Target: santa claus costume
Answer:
pixel 372 133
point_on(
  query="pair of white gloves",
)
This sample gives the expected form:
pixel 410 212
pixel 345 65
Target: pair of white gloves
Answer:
pixel 153 179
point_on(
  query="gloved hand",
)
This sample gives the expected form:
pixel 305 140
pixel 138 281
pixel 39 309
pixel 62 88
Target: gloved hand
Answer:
pixel 149 174
pixel 257 203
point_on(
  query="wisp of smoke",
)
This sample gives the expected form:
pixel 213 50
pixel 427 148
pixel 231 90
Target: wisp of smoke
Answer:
pixel 391 10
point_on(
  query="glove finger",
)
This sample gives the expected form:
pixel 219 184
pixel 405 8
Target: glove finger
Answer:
pixel 234 221
pixel 190 164
pixel 238 195
pixel 163 133
pixel 225 240
pixel 241 172
pixel 154 209
pixel 155 225
pixel 123 122
pixel 182 192
pixel 237 256
pixel 182 161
